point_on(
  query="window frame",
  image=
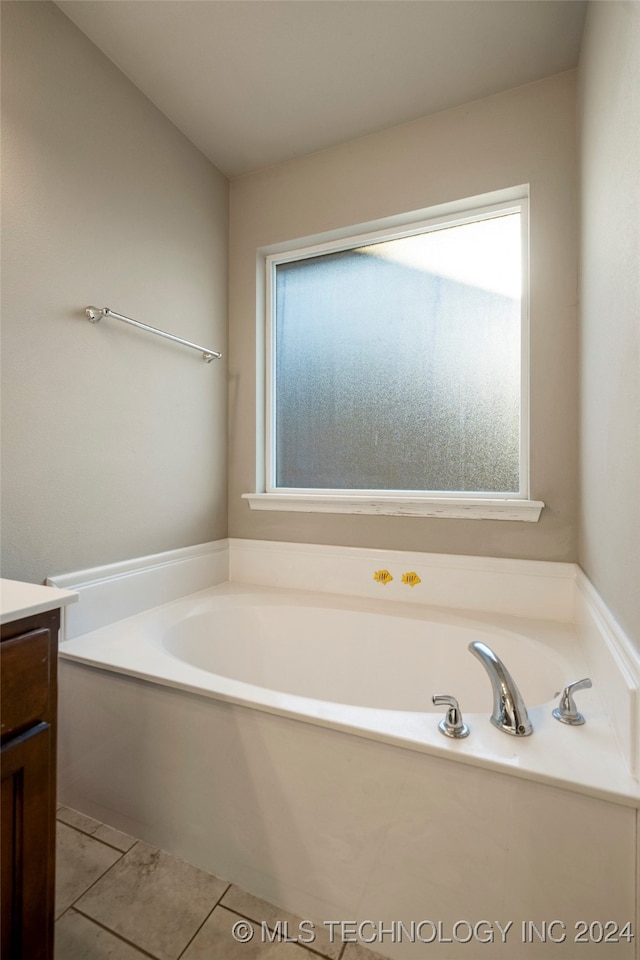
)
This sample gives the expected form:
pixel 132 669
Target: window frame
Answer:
pixel 509 505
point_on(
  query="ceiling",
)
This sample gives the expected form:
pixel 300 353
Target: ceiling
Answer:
pixel 256 82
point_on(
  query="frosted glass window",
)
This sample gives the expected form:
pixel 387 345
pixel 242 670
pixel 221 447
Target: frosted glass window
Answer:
pixel 397 364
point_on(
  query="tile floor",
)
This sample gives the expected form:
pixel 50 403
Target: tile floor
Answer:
pixel 118 898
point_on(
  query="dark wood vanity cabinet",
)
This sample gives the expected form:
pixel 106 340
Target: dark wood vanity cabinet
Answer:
pixel 28 680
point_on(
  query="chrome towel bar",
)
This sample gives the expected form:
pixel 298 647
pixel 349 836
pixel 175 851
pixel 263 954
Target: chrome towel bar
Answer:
pixel 94 314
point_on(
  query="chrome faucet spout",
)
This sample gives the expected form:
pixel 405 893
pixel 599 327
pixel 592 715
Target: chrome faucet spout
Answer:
pixel 509 711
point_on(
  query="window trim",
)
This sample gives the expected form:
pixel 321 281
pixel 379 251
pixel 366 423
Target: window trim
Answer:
pixel 461 504
pixel 398 506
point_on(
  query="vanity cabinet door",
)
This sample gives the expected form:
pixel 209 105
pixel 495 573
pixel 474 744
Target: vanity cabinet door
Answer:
pixel 28 665
pixel 26 840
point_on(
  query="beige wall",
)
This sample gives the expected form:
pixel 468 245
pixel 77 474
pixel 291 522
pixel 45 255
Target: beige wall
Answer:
pixel 526 135
pixel 610 305
pixel 114 442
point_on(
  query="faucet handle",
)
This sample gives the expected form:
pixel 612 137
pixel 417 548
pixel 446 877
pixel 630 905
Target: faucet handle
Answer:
pixel 452 725
pixel 566 711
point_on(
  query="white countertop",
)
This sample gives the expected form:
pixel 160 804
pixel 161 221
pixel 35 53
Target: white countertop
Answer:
pixel 19 599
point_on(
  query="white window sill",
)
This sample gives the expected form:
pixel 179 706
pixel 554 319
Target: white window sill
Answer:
pixel 395 506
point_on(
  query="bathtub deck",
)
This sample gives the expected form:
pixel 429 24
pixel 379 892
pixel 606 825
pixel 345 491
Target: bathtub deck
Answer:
pixel 174 911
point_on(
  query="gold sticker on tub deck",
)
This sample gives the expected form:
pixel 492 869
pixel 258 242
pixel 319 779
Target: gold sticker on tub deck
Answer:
pixel 382 576
pixel 411 578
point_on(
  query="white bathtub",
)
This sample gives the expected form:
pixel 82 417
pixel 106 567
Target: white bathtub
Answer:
pixel 287 741
pixel 327 648
pixel 263 646
pixel 370 667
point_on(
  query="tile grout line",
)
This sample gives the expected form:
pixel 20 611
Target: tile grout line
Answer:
pixel 74 905
pixel 216 904
pixel 114 933
pixel 98 839
pixel 314 952
pixel 103 874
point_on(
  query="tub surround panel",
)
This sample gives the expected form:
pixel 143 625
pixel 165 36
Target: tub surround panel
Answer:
pixel 616 662
pixel 327 824
pixel 527 588
pixel 537 589
pixel 118 590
